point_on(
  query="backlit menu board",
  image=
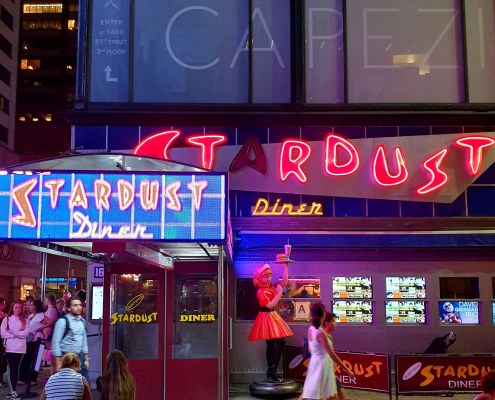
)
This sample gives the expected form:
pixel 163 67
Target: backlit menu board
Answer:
pixel 405 287
pixel 353 311
pixel 458 312
pixel 352 287
pixel 405 312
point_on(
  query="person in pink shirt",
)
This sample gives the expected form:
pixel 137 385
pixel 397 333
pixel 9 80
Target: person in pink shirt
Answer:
pixel 15 329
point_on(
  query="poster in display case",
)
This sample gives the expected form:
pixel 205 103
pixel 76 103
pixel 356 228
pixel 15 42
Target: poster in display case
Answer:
pixel 459 312
pixel 353 311
pixel 405 312
pixel 493 312
pixel 352 287
pixel 405 287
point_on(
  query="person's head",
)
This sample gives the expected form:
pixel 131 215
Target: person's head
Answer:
pixel 17 309
pixel 29 298
pixel 71 360
pixel 73 305
pixel 61 305
pixel 82 295
pixel 36 306
pixel 118 383
pixel 329 323
pixel 67 295
pixel 317 312
pixel 262 275
pixel 488 382
pixel 50 300
pixel 3 304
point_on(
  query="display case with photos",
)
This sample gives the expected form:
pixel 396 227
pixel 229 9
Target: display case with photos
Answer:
pixel 302 288
pixel 459 312
pixel 493 312
pixel 405 312
pixel 297 297
pixel 353 311
pixel 405 287
pixel 352 287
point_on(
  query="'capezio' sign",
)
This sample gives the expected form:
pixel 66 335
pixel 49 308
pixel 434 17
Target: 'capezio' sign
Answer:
pixel 121 206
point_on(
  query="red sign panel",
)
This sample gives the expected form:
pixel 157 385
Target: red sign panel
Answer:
pixel 423 373
pixel 371 371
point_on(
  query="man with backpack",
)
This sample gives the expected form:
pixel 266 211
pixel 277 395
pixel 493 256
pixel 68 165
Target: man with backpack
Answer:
pixel 69 335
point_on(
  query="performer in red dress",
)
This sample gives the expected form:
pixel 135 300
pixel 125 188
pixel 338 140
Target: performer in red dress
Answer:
pixel 269 325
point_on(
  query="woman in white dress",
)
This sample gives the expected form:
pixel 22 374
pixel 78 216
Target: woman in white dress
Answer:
pixel 320 379
pixel 329 325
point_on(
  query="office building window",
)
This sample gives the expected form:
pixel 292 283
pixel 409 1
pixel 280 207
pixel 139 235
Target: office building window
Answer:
pixel 72 24
pixel 42 8
pixel 5 46
pixel 4 75
pixel 30 64
pixel 7 18
pixel 4 104
pixel 42 24
pixel 4 134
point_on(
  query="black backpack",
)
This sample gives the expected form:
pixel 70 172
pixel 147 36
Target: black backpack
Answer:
pixel 67 325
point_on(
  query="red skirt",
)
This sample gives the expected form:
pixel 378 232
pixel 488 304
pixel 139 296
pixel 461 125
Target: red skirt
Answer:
pixel 269 325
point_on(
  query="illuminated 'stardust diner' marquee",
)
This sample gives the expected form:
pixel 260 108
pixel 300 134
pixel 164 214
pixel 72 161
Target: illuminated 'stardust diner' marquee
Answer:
pixel 122 206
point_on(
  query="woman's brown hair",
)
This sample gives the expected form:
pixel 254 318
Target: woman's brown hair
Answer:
pixel 117 383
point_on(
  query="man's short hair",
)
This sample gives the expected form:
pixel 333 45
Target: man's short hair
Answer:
pixel 69 301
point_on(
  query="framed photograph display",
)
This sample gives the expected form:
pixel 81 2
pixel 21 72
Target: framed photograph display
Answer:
pixel 405 287
pixel 405 312
pixel 352 287
pixel 459 312
pixel 353 311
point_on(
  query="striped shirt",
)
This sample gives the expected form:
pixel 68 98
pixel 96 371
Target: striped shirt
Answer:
pixel 65 385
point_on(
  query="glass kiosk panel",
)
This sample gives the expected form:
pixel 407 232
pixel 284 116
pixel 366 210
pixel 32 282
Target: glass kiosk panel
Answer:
pixel 134 315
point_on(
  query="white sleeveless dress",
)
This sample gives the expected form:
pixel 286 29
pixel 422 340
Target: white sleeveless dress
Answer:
pixel 320 379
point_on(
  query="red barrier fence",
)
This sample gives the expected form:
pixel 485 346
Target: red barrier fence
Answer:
pixel 441 373
pixel 371 371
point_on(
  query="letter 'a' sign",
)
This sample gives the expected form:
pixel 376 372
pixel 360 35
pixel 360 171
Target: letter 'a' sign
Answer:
pixel 121 206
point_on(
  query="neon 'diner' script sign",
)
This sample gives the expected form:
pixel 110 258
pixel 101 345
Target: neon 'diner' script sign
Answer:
pixel 132 206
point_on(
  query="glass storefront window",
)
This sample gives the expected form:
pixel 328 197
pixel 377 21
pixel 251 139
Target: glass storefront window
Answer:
pixel 196 314
pixel 134 315
pixel 294 305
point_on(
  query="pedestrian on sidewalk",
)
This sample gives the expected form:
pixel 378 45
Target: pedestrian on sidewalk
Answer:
pixel 320 380
pixel 116 383
pixel 69 335
pixel 67 384
pixel 329 325
pixel 488 386
pixel 3 361
pixel 14 330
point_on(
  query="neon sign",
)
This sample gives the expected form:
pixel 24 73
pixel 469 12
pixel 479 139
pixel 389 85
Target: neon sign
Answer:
pixel 263 207
pixel 417 168
pixel 122 206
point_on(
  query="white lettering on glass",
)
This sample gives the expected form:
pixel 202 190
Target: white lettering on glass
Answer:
pixel 312 37
pixel 169 47
pixel 273 47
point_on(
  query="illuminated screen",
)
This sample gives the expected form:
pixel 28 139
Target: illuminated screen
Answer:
pixel 123 206
pixel 458 312
pixel 353 311
pixel 97 302
pixel 405 287
pixel 352 287
pixel 493 312
pixel 405 312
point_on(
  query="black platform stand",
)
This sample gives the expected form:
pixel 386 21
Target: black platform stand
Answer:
pixel 270 389
pixel 34 369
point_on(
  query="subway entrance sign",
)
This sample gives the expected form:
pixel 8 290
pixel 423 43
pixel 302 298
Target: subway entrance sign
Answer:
pixel 79 206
